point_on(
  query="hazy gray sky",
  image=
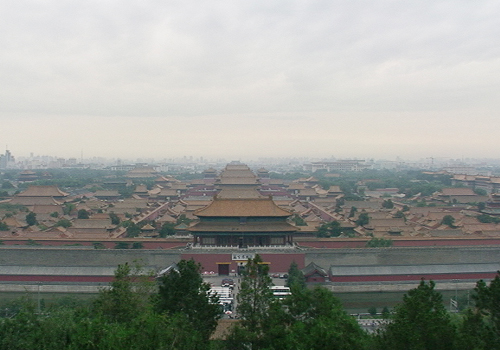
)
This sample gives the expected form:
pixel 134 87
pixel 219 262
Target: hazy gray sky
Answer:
pixel 243 79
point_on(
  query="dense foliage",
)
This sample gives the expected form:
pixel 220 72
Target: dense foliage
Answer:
pixel 487 219
pixel 379 242
pixel 176 312
pixel 124 316
pixel 307 319
pixel 420 322
pixel 183 292
pixel 330 229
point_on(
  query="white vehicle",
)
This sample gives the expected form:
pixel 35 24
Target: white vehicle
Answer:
pixel 280 292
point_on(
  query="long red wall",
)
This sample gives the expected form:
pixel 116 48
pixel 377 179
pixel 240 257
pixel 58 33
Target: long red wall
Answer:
pixel 278 262
pixel 310 243
pixel 54 278
pixel 394 278
pixel 429 242
pixel 108 244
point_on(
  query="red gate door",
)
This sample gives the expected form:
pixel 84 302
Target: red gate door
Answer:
pixel 223 269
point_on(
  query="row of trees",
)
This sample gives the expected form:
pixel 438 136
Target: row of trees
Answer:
pixel 177 312
pixel 136 312
pixel 315 319
pixel 408 182
pixel 307 319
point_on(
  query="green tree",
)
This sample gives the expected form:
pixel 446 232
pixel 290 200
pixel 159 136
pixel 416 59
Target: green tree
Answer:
pixel 127 191
pixel 133 230
pixel 419 322
pixel 137 245
pixel 487 302
pixel 68 208
pixel 254 300
pixel 64 223
pixel 295 277
pixel 399 215
pixel 330 229
pixel 83 214
pixel 183 292
pixel 372 310
pixel 7 185
pixel 115 219
pixel 449 221
pixel 183 219
pixel 363 219
pixel 480 192
pixel 312 320
pixel 98 245
pixel 379 242
pixel 128 296
pixel 31 219
pixel 121 245
pixel 340 202
pixel 65 328
pixel 387 204
pixel 3 226
pixel 32 242
pixel 352 212
pixel 54 214
pixel 167 229
pixel 385 312
pixel 484 218
pixel 476 332
pixel 298 220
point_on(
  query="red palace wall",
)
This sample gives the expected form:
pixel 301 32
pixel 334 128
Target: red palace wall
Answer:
pixel 55 278
pixel 277 262
pixel 395 278
pixel 429 242
pixel 108 244
pixel 313 243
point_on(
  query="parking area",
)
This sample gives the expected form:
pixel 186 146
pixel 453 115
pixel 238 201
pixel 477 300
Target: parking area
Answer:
pixel 221 284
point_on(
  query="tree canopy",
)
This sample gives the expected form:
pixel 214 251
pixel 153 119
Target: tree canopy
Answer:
pixel 255 294
pixel 295 278
pixel 122 317
pixel 83 214
pixel 481 326
pixel 363 219
pixel 128 295
pixel 419 322
pixel 183 292
pixel 31 219
pixel 449 221
pixel 330 229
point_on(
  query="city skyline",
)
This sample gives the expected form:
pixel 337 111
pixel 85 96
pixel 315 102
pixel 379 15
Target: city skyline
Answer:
pixel 11 161
pixel 248 80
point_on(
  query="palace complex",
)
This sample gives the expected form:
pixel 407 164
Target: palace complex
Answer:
pixel 225 217
pixel 239 216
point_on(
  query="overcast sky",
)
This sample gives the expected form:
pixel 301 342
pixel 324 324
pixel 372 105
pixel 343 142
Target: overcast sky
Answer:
pixel 247 79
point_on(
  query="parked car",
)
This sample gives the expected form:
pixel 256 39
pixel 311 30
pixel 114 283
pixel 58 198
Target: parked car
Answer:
pixel 227 282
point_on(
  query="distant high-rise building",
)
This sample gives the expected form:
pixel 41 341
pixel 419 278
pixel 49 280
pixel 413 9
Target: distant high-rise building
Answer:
pixel 7 160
